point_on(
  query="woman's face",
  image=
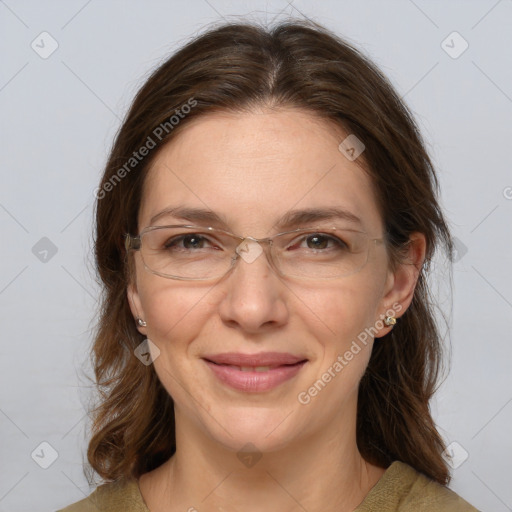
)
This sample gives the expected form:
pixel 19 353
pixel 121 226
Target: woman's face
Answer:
pixel 251 169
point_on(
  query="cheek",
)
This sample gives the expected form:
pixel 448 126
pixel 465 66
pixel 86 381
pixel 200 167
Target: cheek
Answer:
pixel 340 313
pixel 174 312
pixel 348 313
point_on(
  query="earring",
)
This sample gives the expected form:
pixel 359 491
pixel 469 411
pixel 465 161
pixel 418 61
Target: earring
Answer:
pixel 390 321
pixel 141 322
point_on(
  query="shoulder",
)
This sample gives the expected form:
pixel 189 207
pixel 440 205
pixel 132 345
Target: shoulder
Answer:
pixel 403 489
pixel 111 497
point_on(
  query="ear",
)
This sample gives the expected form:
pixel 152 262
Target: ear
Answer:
pixel 401 282
pixel 136 306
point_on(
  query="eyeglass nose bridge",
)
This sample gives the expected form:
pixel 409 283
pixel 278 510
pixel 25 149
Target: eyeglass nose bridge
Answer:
pixel 250 249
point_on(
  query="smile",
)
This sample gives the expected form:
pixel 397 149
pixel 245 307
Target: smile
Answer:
pixel 254 379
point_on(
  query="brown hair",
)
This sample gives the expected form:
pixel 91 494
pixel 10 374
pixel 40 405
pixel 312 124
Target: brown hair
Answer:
pixel 237 67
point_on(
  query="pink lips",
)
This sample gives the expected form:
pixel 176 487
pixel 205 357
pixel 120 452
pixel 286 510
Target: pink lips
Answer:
pixel 254 372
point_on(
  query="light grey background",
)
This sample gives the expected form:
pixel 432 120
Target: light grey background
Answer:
pixel 58 119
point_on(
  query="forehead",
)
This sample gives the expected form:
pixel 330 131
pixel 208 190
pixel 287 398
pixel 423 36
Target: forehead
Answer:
pixel 252 168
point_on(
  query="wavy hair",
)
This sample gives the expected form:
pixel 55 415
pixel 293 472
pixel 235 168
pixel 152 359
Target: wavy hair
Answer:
pixel 239 67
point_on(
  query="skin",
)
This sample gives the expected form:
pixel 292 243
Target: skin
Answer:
pixel 251 168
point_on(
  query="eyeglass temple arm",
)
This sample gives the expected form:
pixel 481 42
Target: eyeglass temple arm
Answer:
pixel 131 242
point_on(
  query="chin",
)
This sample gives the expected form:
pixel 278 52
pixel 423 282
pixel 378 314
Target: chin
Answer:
pixel 265 428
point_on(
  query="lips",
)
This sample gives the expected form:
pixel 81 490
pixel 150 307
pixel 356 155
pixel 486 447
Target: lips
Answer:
pixel 254 372
pixel 271 359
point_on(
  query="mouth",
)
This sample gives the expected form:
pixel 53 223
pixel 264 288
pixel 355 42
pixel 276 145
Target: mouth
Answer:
pixel 254 373
pixel 251 368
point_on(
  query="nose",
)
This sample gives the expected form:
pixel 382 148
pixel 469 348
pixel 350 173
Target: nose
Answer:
pixel 255 298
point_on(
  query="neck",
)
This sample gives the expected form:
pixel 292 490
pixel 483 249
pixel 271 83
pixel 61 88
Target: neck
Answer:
pixel 323 472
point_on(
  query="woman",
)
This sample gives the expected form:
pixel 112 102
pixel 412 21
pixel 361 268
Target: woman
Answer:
pixel 267 215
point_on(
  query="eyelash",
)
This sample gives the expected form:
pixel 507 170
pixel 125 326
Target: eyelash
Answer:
pixel 337 241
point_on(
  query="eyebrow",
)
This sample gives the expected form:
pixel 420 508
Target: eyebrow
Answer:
pixel 290 220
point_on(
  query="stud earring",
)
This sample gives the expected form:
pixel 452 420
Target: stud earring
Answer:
pixel 390 321
pixel 141 322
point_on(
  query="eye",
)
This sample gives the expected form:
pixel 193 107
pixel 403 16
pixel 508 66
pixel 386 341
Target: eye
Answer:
pixel 188 241
pixel 321 241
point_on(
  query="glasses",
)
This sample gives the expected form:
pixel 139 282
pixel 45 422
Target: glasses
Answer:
pixel 201 253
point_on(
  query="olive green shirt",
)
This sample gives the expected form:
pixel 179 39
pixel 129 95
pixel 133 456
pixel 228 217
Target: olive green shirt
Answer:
pixel 400 489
